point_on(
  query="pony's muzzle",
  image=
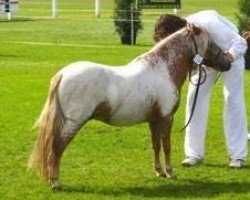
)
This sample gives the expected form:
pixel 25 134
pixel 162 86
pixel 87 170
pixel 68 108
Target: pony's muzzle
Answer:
pixel 221 65
pixel 224 65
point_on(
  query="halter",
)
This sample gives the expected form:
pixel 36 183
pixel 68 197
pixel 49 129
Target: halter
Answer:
pixel 197 61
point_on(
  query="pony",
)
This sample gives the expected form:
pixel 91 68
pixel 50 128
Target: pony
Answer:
pixel 145 90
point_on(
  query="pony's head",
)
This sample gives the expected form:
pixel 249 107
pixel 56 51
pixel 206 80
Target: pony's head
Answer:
pixel 206 51
pixel 216 58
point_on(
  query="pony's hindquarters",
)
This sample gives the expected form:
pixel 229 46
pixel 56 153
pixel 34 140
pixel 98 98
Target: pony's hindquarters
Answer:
pixel 50 123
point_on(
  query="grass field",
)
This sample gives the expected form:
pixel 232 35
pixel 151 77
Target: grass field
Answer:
pixel 103 162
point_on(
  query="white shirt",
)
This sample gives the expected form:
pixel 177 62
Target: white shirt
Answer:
pixel 223 32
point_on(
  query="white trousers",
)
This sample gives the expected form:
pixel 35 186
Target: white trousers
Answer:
pixel 234 118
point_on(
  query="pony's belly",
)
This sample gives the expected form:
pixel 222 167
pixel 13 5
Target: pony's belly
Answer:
pixel 125 121
pixel 128 117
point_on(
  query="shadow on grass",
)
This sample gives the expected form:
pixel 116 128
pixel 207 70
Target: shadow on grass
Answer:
pixel 17 20
pixel 222 166
pixel 26 19
pixel 191 189
pixel 8 55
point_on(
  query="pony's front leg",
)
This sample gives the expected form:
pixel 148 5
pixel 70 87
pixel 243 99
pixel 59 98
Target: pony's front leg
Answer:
pixel 166 143
pixel 156 145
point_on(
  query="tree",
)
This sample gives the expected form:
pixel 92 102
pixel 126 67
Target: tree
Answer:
pixel 244 24
pixel 127 20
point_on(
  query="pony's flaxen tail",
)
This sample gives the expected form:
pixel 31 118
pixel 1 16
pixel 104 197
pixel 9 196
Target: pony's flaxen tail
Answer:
pixel 44 155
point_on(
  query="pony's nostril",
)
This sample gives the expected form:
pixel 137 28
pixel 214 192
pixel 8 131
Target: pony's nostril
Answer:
pixel 226 67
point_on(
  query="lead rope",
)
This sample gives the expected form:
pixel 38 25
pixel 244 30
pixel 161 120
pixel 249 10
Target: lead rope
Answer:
pixel 200 82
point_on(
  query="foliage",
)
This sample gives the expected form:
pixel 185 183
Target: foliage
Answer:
pixel 244 16
pixel 244 24
pixel 126 12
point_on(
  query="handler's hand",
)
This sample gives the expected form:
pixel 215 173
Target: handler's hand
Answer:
pixel 246 35
pixel 231 59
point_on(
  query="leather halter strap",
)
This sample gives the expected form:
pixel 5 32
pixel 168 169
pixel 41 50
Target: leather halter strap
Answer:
pixel 197 61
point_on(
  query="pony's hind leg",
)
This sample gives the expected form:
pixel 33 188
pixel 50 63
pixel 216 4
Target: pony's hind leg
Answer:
pixel 69 130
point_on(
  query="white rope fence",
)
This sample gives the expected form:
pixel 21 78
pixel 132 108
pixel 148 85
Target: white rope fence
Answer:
pixel 63 8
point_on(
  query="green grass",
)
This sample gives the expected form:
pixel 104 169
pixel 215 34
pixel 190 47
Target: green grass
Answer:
pixel 103 162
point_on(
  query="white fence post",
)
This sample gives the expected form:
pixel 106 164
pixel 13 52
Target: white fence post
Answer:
pixel 175 11
pixel 98 8
pixel 54 8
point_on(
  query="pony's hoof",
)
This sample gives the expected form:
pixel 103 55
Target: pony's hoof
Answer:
pixel 55 185
pixel 56 188
pixel 161 175
pixel 160 172
pixel 171 175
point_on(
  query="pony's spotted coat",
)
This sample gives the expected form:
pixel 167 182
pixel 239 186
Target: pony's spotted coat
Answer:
pixel 145 90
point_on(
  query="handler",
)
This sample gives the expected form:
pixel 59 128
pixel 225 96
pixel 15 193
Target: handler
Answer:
pixel 226 36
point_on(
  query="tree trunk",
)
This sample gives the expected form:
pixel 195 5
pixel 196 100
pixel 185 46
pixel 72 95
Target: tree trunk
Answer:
pixel 126 38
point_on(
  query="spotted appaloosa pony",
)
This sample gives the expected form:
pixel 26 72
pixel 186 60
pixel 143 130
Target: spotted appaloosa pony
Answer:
pixel 145 90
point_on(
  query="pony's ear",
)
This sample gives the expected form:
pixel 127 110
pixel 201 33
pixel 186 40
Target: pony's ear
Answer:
pixel 196 30
pixel 192 28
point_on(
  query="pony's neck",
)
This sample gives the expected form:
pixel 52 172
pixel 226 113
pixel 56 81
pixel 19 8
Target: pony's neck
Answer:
pixel 176 52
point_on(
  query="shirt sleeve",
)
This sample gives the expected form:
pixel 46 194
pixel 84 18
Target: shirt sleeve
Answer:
pixel 227 38
pixel 238 47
